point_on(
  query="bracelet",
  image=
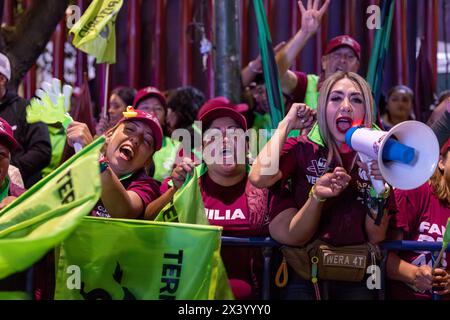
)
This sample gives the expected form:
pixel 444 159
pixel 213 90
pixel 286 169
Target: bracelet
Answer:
pixel 313 194
pixel 104 164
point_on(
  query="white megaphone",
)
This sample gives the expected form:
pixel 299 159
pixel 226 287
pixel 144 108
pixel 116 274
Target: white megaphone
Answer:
pixel 407 154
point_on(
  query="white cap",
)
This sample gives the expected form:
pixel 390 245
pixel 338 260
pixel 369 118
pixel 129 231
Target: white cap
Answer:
pixel 5 66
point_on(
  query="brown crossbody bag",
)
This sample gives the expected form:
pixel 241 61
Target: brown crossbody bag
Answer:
pixel 344 263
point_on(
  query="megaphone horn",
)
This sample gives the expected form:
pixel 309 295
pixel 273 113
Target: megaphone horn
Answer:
pixel 407 154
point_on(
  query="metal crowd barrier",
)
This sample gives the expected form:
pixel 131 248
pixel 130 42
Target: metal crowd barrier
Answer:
pixel 267 245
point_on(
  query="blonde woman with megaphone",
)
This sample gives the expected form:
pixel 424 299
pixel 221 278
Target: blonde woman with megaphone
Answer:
pixel 324 220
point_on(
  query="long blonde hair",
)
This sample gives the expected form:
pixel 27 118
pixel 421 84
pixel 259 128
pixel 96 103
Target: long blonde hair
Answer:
pixel 324 95
pixel 439 184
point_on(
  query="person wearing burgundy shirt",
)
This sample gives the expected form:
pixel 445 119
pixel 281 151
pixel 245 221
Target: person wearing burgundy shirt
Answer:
pixel 230 200
pixel 421 215
pixel 8 193
pixel 329 185
pixel 129 148
pixel 342 53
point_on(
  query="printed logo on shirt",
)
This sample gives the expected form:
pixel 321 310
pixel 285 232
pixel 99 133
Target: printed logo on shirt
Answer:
pixel 317 168
pixel 431 233
pixel 215 214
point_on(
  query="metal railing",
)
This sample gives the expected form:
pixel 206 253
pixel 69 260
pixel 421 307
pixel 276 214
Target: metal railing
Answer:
pixel 267 245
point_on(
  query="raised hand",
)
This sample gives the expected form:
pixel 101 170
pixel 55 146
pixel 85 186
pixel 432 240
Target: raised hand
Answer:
pixel 256 65
pixel 78 132
pixel 332 184
pixel 312 15
pixel 181 171
pixel 300 116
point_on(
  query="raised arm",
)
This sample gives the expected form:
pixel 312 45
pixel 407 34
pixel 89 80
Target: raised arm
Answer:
pixel 178 177
pixel 249 73
pixel 311 19
pixel 265 170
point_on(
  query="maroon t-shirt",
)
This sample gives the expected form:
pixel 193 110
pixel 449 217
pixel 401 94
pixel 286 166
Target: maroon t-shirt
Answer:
pixel 144 186
pixel 232 208
pixel 343 218
pixel 421 217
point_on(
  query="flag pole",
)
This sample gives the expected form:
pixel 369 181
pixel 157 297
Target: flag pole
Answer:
pixel 105 94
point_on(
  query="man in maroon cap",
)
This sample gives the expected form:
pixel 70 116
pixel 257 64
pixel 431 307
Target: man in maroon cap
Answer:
pixel 8 190
pixel 343 53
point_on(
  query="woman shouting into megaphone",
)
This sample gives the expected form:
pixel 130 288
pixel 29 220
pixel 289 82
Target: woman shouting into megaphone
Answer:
pixel 324 218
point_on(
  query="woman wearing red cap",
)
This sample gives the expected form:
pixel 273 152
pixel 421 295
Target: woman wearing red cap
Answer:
pixel 119 100
pixel 421 215
pixel 128 150
pixel 230 200
pixel 151 100
pixel 8 190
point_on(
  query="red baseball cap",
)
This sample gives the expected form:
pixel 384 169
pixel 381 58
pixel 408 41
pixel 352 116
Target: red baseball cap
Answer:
pixel 222 107
pixel 148 92
pixel 138 115
pixel 445 148
pixel 344 41
pixel 7 136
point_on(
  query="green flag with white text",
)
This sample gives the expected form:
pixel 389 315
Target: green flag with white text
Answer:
pixel 48 212
pixel 95 32
pixel 117 259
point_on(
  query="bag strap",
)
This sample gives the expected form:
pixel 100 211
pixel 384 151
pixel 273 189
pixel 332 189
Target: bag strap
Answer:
pixel 282 271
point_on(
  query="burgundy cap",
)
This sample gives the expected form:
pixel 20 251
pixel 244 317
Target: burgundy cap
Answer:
pixel 222 107
pixel 138 115
pixel 445 148
pixel 7 136
pixel 149 92
pixel 344 41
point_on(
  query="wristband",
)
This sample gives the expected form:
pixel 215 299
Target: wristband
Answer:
pixel 104 163
pixel 312 194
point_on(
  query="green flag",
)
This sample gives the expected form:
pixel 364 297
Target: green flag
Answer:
pixel 113 259
pixel 48 212
pixel 379 52
pixel 95 32
pixel 446 239
pixel 187 205
pixel 269 64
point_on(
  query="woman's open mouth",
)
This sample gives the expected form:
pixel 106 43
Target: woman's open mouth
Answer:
pixel 126 153
pixel 343 124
